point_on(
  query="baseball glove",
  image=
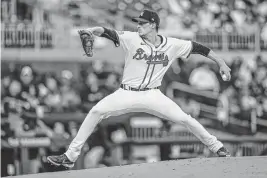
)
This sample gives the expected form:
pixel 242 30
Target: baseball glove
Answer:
pixel 87 39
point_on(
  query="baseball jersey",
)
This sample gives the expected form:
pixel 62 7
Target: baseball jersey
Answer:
pixel 145 64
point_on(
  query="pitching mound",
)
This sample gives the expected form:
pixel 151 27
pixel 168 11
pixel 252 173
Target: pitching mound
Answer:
pixel 235 167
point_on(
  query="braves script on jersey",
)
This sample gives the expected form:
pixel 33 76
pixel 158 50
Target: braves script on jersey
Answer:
pixel 145 64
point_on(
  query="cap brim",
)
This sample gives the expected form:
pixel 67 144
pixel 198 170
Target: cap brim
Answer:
pixel 137 19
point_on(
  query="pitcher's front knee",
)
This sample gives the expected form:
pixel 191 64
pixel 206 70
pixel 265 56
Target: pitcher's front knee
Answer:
pixel 185 119
pixel 97 112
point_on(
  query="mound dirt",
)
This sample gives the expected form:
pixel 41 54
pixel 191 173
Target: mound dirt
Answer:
pixel 232 167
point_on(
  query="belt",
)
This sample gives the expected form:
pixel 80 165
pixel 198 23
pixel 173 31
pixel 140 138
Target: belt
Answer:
pixel 127 87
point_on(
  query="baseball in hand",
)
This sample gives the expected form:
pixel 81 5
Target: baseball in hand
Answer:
pixel 224 77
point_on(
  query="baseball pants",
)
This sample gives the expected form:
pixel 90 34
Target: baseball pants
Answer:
pixel 151 101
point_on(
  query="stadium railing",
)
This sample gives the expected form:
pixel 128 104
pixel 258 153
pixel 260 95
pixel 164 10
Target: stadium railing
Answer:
pixel 224 41
pixel 22 36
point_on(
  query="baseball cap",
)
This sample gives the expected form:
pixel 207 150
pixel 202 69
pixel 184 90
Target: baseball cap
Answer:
pixel 148 16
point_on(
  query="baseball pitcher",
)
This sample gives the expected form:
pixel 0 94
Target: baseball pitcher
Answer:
pixel 148 55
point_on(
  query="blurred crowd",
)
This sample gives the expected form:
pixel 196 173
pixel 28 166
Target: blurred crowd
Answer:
pixel 232 16
pixel 243 98
pixel 248 89
pixel 52 93
pixel 243 16
pixel 27 96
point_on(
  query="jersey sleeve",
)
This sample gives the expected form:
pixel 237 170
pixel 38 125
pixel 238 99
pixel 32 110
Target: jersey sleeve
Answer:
pixel 183 48
pixel 125 38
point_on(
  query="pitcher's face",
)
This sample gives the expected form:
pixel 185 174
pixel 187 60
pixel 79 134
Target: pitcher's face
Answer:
pixel 144 28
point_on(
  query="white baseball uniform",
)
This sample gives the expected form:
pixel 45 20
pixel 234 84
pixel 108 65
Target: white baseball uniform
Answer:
pixel 145 66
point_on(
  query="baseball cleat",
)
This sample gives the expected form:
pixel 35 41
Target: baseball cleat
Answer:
pixel 61 160
pixel 223 152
